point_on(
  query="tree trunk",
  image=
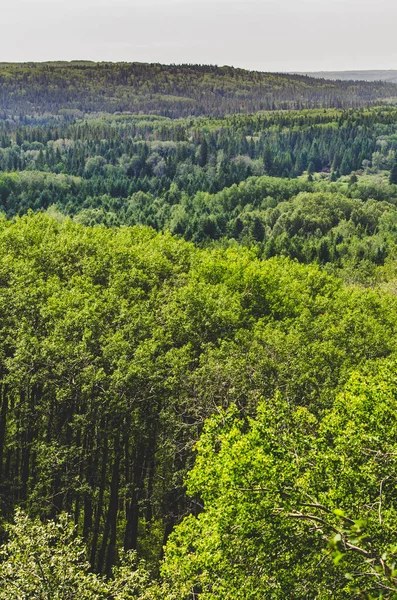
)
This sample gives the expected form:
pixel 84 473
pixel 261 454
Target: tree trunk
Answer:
pixel 98 510
pixel 108 545
pixel 3 424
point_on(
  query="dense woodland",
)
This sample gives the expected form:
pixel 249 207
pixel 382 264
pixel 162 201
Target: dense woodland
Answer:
pixel 73 89
pixel 197 336
pixel 278 180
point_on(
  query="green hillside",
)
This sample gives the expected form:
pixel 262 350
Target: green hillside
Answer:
pixel 170 90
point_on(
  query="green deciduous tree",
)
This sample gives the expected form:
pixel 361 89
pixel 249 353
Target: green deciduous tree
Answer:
pixel 294 506
pixel 46 562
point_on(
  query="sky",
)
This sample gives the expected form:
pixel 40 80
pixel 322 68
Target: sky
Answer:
pixel 265 35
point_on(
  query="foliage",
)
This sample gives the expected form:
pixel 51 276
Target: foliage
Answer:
pixel 294 506
pixel 115 346
pixel 212 180
pixel 48 562
pixel 169 281
pixel 77 87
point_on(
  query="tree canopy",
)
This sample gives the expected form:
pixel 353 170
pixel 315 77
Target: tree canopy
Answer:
pixel 198 281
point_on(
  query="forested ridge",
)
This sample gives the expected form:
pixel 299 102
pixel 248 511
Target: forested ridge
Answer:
pixel 67 89
pixel 198 275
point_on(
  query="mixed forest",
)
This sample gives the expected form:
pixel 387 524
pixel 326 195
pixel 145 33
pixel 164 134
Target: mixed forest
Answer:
pixel 198 334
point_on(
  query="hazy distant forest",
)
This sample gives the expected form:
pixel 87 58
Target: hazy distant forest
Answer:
pixel 198 334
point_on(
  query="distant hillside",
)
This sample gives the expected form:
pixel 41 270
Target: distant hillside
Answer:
pixel 388 76
pixel 78 88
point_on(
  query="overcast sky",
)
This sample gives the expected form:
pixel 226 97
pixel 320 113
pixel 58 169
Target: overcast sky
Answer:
pixel 268 35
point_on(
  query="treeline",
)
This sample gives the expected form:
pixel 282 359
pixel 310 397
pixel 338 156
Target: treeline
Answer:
pixel 117 344
pixel 340 225
pixel 77 88
pixel 124 155
pixel 213 180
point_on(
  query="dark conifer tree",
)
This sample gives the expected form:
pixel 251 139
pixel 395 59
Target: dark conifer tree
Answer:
pixel 393 174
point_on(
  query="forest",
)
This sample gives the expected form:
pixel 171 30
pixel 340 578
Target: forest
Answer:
pixel 69 90
pixel 198 389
